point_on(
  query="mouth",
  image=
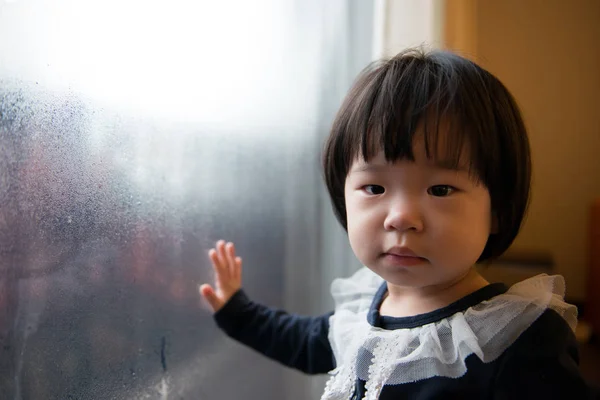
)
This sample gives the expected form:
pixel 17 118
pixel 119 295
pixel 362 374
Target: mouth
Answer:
pixel 403 257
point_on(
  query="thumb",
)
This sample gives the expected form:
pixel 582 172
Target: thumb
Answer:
pixel 211 297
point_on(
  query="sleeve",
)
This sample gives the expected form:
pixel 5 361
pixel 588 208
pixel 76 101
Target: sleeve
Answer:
pixel 297 342
pixel 543 363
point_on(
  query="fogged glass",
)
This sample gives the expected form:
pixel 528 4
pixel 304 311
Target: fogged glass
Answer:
pixel 133 135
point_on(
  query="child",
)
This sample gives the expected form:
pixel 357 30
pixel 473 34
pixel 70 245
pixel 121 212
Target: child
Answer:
pixel 428 169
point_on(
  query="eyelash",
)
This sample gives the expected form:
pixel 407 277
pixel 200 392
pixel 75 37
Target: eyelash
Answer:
pixel 365 189
pixel 451 189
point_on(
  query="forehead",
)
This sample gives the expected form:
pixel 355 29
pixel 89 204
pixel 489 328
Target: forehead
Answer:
pixel 440 150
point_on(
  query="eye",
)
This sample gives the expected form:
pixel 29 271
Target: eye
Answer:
pixel 441 190
pixel 373 189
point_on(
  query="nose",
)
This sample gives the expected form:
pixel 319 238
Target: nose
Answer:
pixel 403 216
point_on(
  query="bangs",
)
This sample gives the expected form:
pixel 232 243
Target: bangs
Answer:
pixel 406 100
pixel 447 142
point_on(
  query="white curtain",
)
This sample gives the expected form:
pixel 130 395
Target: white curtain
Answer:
pixel 133 134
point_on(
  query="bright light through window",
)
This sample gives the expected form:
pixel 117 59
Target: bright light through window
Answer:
pixel 190 60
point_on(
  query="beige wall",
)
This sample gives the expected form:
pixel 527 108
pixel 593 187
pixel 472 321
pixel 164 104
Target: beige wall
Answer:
pixel 408 23
pixel 547 52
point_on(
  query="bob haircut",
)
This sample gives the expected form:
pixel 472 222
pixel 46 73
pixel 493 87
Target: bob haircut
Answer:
pixel 447 101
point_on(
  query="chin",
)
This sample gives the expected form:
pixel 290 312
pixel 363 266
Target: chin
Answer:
pixel 400 276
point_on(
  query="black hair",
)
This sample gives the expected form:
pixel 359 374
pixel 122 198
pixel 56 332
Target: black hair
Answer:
pixel 455 102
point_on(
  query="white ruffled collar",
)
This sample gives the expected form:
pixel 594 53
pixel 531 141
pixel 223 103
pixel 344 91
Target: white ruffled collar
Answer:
pixel 379 356
pixel 391 323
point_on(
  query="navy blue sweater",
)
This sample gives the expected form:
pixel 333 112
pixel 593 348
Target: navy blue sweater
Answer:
pixel 542 363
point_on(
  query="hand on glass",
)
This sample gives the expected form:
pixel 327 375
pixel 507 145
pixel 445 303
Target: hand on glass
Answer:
pixel 228 275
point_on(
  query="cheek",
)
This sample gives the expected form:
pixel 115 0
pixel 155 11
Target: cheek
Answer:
pixel 355 240
pixel 474 228
pixel 464 224
pixel 352 221
pixel 361 216
pixel 360 226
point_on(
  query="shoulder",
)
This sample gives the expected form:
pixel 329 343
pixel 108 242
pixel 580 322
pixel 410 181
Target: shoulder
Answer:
pixel 532 303
pixel 545 292
pixel 537 319
pixel 543 361
pixel 549 336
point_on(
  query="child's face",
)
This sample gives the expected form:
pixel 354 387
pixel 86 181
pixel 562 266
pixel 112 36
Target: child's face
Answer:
pixel 442 216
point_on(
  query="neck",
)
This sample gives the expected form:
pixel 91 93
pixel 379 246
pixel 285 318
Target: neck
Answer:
pixel 404 302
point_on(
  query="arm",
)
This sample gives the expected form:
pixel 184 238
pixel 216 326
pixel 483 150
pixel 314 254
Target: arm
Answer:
pixel 543 363
pixel 298 342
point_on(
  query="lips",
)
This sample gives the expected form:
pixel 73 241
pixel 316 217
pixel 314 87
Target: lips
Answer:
pixel 403 257
pixel 402 251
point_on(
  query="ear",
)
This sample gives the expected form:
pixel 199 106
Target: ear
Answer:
pixel 494 223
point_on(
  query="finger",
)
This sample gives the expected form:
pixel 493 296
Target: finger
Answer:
pixel 216 262
pixel 230 254
pixel 210 296
pixel 206 290
pixel 221 253
pixel 237 273
pixel 218 254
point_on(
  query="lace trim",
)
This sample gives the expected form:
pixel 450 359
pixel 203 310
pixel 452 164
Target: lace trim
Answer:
pixel 436 349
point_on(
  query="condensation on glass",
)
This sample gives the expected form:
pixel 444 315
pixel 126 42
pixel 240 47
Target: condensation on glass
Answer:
pixel 132 136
